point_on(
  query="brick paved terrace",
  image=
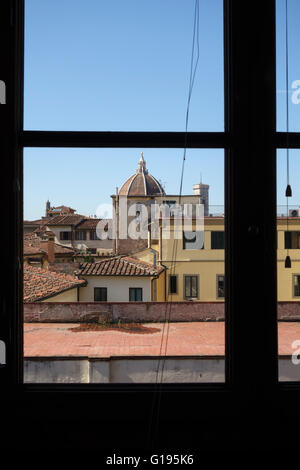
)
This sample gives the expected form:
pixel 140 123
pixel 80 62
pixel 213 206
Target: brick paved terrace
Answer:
pixel 190 339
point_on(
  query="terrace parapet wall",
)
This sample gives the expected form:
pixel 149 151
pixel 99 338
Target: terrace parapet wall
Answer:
pixel 138 312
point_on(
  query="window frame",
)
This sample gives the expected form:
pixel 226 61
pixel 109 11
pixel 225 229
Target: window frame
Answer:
pixel 211 239
pixel 64 232
pixel 250 131
pixel 176 282
pixel 217 293
pixel 293 286
pixel 185 277
pixel 289 234
pixel 80 235
pixel 93 235
pixel 136 289
pixel 100 287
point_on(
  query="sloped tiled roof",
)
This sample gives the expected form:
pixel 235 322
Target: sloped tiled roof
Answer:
pixel 73 219
pixel 66 208
pixel 120 266
pixel 40 284
pixel 32 222
pixel 90 224
pixel 32 245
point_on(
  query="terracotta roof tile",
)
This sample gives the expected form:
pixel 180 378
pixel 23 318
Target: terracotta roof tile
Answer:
pixel 91 224
pixel 41 284
pixel 73 219
pixel 141 184
pixel 120 266
pixel 32 222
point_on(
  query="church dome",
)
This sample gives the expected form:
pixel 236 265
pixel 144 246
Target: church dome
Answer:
pixel 141 183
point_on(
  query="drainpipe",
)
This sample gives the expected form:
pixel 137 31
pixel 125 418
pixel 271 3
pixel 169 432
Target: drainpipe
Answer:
pixel 160 244
pixel 160 259
pixel 154 256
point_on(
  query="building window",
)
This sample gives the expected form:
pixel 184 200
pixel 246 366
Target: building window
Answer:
pixel 170 203
pixel 220 286
pixel 173 284
pixel 65 235
pixel 135 294
pixel 193 240
pixel 292 240
pixel 93 235
pixel 80 235
pixel 296 285
pixel 217 240
pixel 100 294
pixel 191 287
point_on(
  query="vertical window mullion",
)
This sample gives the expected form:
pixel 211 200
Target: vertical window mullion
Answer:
pixel 250 199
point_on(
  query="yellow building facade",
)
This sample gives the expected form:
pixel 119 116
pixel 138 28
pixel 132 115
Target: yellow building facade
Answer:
pixel 197 274
pixel 192 273
pixel 288 243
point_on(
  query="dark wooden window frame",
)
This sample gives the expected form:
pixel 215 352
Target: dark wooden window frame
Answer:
pixel 93 235
pixel 103 289
pixel 250 140
pixel 173 290
pixel 212 235
pixel 78 234
pixel 135 289
pixel 288 240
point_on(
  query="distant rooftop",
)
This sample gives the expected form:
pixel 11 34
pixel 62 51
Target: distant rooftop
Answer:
pixel 120 266
pixel 32 245
pixel 40 284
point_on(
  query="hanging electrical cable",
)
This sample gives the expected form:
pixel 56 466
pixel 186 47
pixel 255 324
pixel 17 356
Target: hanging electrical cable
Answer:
pixel 288 191
pixel 164 337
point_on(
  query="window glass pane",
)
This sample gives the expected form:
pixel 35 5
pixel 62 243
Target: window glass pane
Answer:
pixel 194 286
pixel 288 273
pixel 100 294
pixel 187 282
pixel 67 270
pixel 173 284
pixel 221 286
pixel 296 285
pixel 293 65
pixel 217 240
pixel 122 65
pixel 131 295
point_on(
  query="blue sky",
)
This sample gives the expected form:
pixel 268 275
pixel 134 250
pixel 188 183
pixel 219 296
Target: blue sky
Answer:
pixel 124 65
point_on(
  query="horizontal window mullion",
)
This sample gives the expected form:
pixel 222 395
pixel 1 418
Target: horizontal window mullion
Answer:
pixel 124 139
pixel 290 140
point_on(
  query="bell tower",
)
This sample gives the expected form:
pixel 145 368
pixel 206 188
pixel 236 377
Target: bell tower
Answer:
pixel 47 208
pixel 203 191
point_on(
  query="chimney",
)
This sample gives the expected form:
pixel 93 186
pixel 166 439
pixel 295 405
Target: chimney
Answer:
pixel 47 244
